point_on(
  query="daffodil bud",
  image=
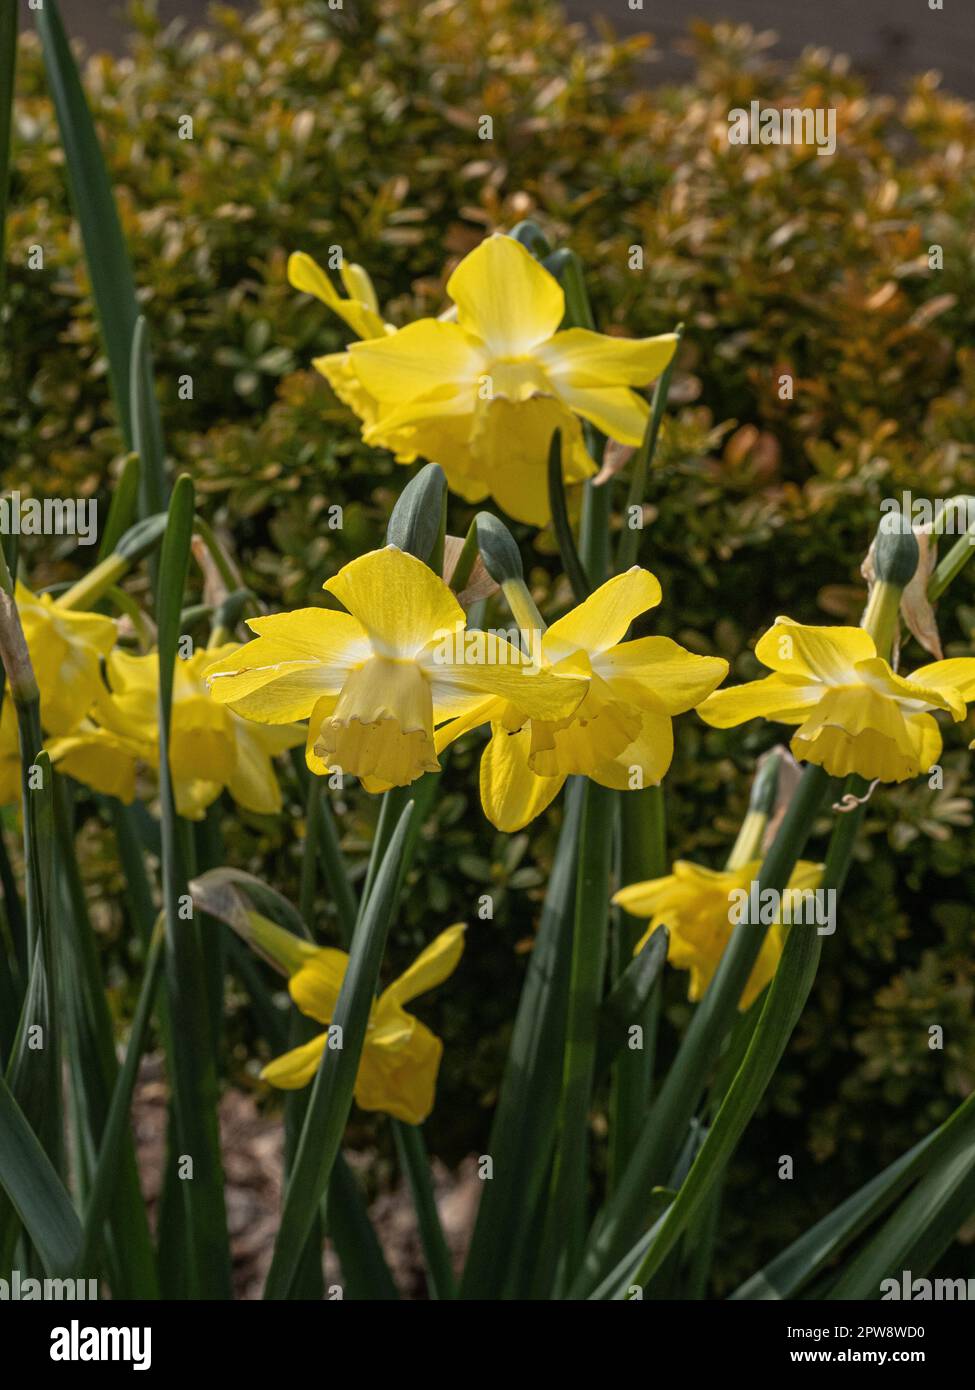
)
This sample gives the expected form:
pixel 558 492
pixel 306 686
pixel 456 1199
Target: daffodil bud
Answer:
pixel 896 552
pixel 215 894
pixel 895 558
pixel 501 556
pixel 417 521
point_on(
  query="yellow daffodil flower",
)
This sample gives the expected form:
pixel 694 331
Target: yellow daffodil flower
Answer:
pixel 696 905
pixel 401 1056
pixel 375 680
pixel 854 713
pixel 210 747
pixel 66 649
pixel 620 735
pixel 482 392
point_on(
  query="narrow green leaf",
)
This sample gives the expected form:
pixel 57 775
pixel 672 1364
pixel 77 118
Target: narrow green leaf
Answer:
pixel 331 1097
pixel 629 545
pixel 788 1274
pixel 33 1186
pixel 524 1121
pixel 109 268
pixel 571 563
pixel 190 1053
pixel 415 1162
pixel 123 507
pixel 627 1000
pixel 642 856
pixel 147 437
pixel 114 1133
pixel 924 1223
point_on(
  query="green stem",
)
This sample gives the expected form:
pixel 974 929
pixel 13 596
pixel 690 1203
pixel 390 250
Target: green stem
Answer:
pixel 415 1162
pixel 570 1179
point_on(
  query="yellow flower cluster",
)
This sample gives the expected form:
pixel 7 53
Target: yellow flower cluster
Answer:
pixel 376 681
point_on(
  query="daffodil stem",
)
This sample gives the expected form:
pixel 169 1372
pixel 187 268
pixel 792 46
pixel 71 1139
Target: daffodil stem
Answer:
pixel 666 1125
pixel 882 616
pixel 523 609
pixel 415 1162
pixel 95 584
pixel 952 564
pixel 566 1222
pixel 629 544
pixel 643 855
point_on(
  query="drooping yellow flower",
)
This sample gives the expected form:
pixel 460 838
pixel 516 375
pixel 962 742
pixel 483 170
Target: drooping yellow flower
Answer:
pixel 481 393
pixel 375 680
pixel 401 1056
pixel 66 649
pixel 210 747
pixel 620 735
pixel 698 906
pixel 854 713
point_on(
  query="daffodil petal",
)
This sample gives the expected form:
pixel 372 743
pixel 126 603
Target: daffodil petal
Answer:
pixel 398 1071
pixel 659 671
pixel 511 794
pixel 581 357
pixel 425 359
pixel 505 297
pixel 306 275
pixel 295 1069
pixel 618 412
pixel 433 965
pixel 398 599
pixel 784 699
pixel 828 654
pixel 315 987
pixel 603 619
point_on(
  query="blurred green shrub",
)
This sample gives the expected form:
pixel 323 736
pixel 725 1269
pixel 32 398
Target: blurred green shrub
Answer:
pixel 313 128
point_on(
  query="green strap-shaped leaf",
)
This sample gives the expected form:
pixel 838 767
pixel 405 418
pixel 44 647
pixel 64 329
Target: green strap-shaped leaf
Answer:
pixel 147 437
pixel 524 1121
pixel 37 1193
pixel 925 1222
pixel 106 1174
pixel 629 545
pixel 192 1074
pixel 109 267
pixel 628 998
pixel 581 588
pixel 332 1090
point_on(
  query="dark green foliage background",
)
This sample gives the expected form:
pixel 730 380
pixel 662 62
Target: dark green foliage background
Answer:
pixel 315 128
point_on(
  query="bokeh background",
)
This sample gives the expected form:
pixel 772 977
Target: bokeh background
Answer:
pixel 314 127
